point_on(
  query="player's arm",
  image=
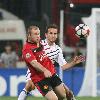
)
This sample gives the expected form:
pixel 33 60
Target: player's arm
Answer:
pixel 68 65
pixel 30 58
pixel 64 64
pixel 38 66
pixel 76 60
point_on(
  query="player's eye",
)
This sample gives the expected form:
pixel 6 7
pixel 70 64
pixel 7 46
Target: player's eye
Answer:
pixel 55 33
pixel 50 33
pixel 37 33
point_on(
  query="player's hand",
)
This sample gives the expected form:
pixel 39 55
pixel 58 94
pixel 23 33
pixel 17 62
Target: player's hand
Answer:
pixel 79 59
pixel 47 73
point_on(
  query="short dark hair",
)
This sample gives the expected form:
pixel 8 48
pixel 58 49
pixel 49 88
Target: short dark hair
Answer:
pixel 51 26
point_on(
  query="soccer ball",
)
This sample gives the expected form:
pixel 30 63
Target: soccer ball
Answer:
pixel 82 31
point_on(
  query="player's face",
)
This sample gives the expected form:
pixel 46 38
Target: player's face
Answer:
pixel 8 49
pixel 35 35
pixel 51 35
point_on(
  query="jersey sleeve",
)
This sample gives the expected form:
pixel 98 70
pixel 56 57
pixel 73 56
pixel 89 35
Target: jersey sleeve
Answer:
pixel 28 55
pixel 61 61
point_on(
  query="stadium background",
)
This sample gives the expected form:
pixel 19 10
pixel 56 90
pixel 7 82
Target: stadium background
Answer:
pixel 17 15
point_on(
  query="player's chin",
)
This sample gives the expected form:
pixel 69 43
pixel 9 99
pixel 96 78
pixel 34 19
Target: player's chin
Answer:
pixel 53 40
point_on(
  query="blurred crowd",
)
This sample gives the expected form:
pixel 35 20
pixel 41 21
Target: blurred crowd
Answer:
pixel 9 57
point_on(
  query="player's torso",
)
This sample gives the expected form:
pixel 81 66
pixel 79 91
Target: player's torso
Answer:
pixel 51 51
pixel 41 57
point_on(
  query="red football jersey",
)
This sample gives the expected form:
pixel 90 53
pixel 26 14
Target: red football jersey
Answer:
pixel 32 52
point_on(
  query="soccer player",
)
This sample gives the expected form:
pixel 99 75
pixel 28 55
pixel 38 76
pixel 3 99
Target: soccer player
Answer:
pixel 54 52
pixel 42 70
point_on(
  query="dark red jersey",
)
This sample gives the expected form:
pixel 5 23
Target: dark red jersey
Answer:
pixel 32 52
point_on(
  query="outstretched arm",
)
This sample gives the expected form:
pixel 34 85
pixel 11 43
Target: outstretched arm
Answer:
pixel 76 60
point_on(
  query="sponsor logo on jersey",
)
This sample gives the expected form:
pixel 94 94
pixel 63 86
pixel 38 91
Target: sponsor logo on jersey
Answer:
pixel 28 55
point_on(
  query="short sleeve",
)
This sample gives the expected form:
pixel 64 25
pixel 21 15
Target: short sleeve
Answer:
pixel 61 61
pixel 28 55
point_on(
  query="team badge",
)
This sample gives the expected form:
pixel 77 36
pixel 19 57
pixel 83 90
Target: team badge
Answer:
pixel 45 87
pixel 28 55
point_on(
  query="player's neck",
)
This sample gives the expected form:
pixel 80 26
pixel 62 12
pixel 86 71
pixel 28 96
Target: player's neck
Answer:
pixel 50 43
pixel 38 44
pixel 33 43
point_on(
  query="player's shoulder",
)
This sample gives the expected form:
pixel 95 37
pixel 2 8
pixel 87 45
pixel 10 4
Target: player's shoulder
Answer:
pixel 57 46
pixel 27 46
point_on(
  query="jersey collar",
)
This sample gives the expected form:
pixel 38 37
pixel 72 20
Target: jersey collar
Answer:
pixel 48 44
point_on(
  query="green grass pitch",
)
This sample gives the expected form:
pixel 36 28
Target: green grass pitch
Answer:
pixel 35 98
